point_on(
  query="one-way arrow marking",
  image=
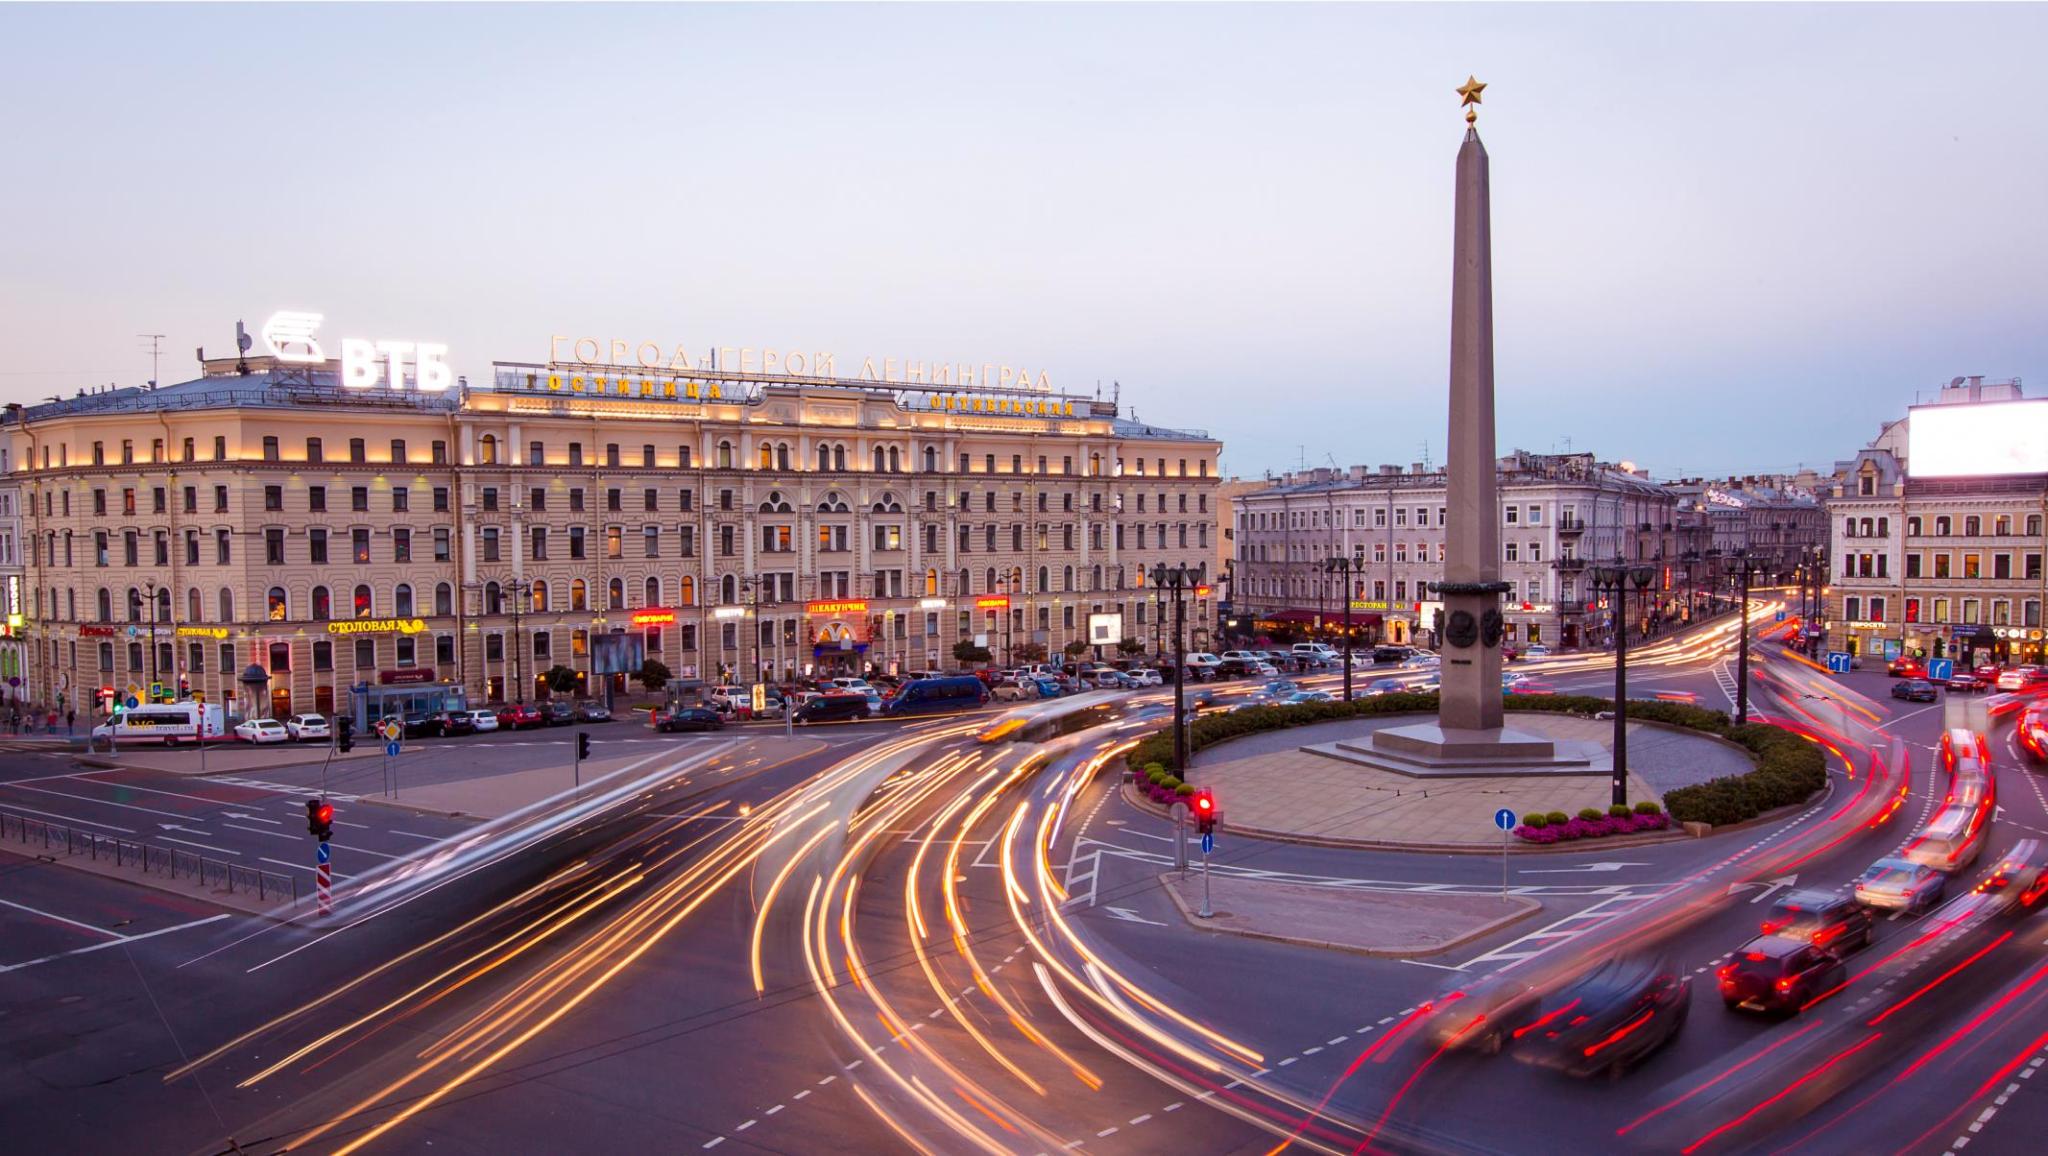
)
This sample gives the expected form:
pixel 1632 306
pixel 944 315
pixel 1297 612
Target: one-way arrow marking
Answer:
pixel 1769 888
pixel 1582 867
pixel 187 830
pixel 251 818
pixel 1130 916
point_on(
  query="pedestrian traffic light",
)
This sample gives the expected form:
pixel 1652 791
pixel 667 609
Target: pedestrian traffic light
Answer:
pixel 582 745
pixel 345 735
pixel 319 819
pixel 1205 811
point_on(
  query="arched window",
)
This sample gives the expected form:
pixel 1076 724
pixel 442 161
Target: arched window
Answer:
pixel 134 604
pixel 163 604
pixel 878 459
pixel 966 586
pixel 839 458
pixel 888 504
pixel 487 450
pixel 1913 526
pixel 1067 578
pixel 1848 527
pixel 724 455
pixel 776 504
pixel 540 595
pixel 989 536
pixel 195 607
pixel 832 503
pixel 323 606
pixel 686 591
pixel 364 604
pixel 227 604
pixel 1094 465
pixel 1016 578
pixel 444 600
pixel 106 606
pixel 991 576
pixel 1941 525
pixel 579 595
pixel 401 600
pixel 782 456
pixel 494 598
pixel 1973 525
pixel 895 460
pixel 2033 525
pixel 931 459
pixel 767 456
pixel 615 594
pixel 653 595
pixel 1044 579
pixel 824 456
pixel 931 583
pixel 728 590
pixel 277 605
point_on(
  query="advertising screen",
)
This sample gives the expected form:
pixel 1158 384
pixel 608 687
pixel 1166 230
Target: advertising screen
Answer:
pixel 1956 441
pixel 1105 629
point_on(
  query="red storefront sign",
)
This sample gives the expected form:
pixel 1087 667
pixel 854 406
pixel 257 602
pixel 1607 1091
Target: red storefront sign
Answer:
pixel 826 609
pixel 408 675
pixel 654 618
pixel 992 602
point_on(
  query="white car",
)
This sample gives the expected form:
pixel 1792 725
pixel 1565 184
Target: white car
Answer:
pixel 1537 651
pixel 1264 669
pixel 1511 677
pixel 307 727
pixel 1146 676
pixel 262 730
pixel 1241 656
pixel 874 700
pixel 1421 662
pixel 482 720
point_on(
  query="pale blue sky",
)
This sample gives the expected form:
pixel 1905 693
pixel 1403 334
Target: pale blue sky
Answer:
pixel 1729 237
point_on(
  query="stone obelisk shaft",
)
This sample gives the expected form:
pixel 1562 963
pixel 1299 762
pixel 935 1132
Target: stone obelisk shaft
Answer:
pixel 1471 672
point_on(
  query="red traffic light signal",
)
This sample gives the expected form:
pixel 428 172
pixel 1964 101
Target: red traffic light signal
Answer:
pixel 1205 810
pixel 319 818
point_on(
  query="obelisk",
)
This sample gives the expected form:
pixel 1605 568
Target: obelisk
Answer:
pixel 1471 589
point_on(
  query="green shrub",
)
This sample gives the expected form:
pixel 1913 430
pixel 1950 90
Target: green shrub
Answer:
pixel 1155 774
pixel 1590 813
pixel 1537 822
pixel 1558 818
pixel 1789 770
pixel 1647 807
pixel 1171 783
pixel 1618 811
pixel 1184 790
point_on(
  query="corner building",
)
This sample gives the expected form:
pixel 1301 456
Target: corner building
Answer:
pixel 273 539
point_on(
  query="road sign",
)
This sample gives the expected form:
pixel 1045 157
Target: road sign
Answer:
pixel 1209 844
pixel 156 691
pixel 393 730
pixel 1780 617
pixel 1838 661
pixel 1941 669
pixel 1504 819
pixel 1891 649
pixel 131 702
pixel 391 748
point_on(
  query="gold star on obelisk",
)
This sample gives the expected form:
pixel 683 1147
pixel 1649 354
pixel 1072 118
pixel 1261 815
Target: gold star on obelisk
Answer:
pixel 1470 91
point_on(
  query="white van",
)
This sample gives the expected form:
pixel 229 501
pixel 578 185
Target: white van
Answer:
pixel 1950 842
pixel 168 723
pixel 1319 652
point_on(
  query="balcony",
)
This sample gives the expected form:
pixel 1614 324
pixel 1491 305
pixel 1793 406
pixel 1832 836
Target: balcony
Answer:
pixel 1570 526
pixel 1570 565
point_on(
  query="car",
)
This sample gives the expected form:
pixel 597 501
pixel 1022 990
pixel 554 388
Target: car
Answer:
pixel 262 730
pixel 457 722
pixel 482 720
pixel 2020 877
pixel 1392 653
pixel 1301 696
pixel 1823 918
pixel 1264 670
pixel 1965 683
pixel 1537 651
pixel 557 713
pixel 1779 973
pixel 1511 677
pixel 519 716
pixel 838 706
pixel 938 693
pixel 592 711
pixel 1146 676
pixel 425 725
pixel 2032 730
pixel 1621 1012
pixel 1424 661
pixel 1530 686
pixel 1237 667
pixel 2016 677
pixel 1914 690
pixel 1987 673
pixel 1380 686
pixel 1486 1014
pixel 1906 667
pixel 688 718
pixel 306 728
pixel 1900 885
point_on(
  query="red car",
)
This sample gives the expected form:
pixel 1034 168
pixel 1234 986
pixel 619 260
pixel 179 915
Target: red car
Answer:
pixel 519 716
pixel 1907 668
pixel 1987 674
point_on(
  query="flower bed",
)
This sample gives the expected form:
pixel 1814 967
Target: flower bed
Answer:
pixel 1555 827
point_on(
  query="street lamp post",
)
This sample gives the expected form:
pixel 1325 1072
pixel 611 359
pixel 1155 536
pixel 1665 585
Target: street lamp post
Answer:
pixel 519 591
pixel 1616 579
pixel 1179 580
pixel 1748 566
pixel 1342 565
pixel 150 590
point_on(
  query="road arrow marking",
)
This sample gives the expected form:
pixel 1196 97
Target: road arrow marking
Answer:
pixel 251 818
pixel 1130 916
pixel 187 830
pixel 1769 889
pixel 1584 867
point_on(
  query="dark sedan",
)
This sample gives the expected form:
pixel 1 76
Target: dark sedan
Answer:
pixel 1914 690
pixel 1781 974
pixel 688 718
pixel 558 714
pixel 459 722
pixel 1611 1019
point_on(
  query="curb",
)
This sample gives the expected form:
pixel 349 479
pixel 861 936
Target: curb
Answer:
pixel 1484 929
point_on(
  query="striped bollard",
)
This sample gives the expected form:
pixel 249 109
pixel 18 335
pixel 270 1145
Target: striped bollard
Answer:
pixel 324 882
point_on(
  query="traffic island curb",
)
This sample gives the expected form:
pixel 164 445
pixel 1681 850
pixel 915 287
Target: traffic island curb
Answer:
pixel 1266 904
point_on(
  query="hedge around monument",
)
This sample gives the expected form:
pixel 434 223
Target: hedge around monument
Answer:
pixel 1788 768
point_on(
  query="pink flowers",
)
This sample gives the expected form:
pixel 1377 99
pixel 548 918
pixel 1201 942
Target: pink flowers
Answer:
pixel 1573 829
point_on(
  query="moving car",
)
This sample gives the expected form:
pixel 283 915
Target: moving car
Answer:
pixel 1779 973
pixel 1915 690
pixel 1386 686
pixel 1906 667
pixel 2020 877
pixel 835 707
pixel 1966 683
pixel 262 730
pixel 2016 678
pixel 688 718
pixel 518 716
pixel 2032 730
pixel 482 720
pixel 307 728
pixel 1485 1015
pixel 1301 696
pixel 1822 918
pixel 1400 654
pixel 1619 1013
pixel 1901 885
pixel 1537 651
pixel 1421 662
pixel 1530 686
pixel 929 695
pixel 592 711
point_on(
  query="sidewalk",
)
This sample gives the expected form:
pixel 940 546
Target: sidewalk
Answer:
pixel 1391 924
pixel 222 758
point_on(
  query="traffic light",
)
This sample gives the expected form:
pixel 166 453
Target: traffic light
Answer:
pixel 345 735
pixel 319 819
pixel 1205 811
pixel 582 745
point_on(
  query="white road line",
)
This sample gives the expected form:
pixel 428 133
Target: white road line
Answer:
pixel 101 802
pixel 261 831
pixel 414 835
pixel 62 919
pixel 112 942
pixel 206 846
pixel 297 866
pixel 67 818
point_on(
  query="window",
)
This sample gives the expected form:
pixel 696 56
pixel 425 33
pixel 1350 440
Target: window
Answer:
pixel 490 544
pixel 611 455
pixel 576 542
pixel 575 453
pixel 359 545
pixel 227 613
pixel 401 544
pixel 362 601
pixel 316 499
pixel 221 552
pixel 270 449
pixel 276 604
pixel 612 500
pixel 401 600
pixel 440 453
pixel 440 499
pixel 441 544
pixel 612 542
pixel 366 653
pixel 401 500
pixel 444 599
pixel 490 498
pixel 540 543
pixel 650 541
pixel 359 499
pixel 273 546
pixel 323 604
pixel 536 454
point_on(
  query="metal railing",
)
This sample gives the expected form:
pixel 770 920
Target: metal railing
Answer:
pixel 148 858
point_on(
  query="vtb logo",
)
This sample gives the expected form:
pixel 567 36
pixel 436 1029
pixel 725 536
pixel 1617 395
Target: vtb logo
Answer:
pixel 291 336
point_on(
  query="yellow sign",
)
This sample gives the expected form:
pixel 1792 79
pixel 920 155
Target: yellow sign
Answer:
pixel 202 632
pixel 377 626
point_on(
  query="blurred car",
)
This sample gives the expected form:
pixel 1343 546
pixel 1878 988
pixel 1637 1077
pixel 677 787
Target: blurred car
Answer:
pixel 1915 690
pixel 688 718
pixel 2022 677
pixel 1779 973
pixel 1537 651
pixel 1897 884
pixel 1424 661
pixel 1987 673
pixel 2020 877
pixel 1906 667
pixel 482 720
pixel 1823 918
pixel 261 730
pixel 1611 1019
pixel 1529 686
pixel 592 712
pixel 1485 1015
pixel 457 722
pixel 1966 683
pixel 308 727
pixel 558 713
pixel 1301 696
pixel 836 707
pixel 518 716
pixel 2032 730
pixel 1511 677
pixel 1386 686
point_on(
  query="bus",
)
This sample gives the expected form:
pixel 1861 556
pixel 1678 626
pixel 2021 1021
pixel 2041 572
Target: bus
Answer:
pixel 1057 719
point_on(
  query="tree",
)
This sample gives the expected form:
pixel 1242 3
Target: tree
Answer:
pixel 1130 646
pixel 1029 652
pixel 966 651
pixel 560 679
pixel 1076 648
pixel 654 674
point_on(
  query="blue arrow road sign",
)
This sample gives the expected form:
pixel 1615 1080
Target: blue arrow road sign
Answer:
pixel 133 702
pixel 1208 844
pixel 1780 617
pixel 1504 819
pixel 1838 661
pixel 1941 669
pixel 390 748
pixel 323 850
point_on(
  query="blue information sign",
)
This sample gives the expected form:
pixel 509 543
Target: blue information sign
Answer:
pixel 133 702
pixel 323 850
pixel 1941 669
pixel 1208 844
pixel 1504 819
pixel 1838 661
pixel 1781 616
pixel 390 748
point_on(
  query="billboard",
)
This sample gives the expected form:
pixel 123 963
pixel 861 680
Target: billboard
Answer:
pixel 617 653
pixel 1985 438
pixel 1105 629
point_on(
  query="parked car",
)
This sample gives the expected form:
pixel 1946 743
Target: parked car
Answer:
pixel 592 711
pixel 1899 884
pixel 1392 653
pixel 262 730
pixel 308 728
pixel 1906 666
pixel 1645 995
pixel 1824 918
pixel 457 722
pixel 1914 690
pixel 1779 973
pixel 836 707
pixel 518 716
pixel 1237 664
pixel 423 725
pixel 688 718
pixel 1146 676
pixel 482 720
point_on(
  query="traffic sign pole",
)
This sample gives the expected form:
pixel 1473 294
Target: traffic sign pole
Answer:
pixel 1208 841
pixel 323 882
pixel 1505 820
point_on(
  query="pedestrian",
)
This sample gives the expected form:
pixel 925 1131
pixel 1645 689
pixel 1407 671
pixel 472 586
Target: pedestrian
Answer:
pixel 70 719
pixel 52 728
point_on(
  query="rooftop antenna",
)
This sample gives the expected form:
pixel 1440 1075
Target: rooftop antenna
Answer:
pixel 242 343
pixel 1301 457
pixel 155 352
pixel 1427 465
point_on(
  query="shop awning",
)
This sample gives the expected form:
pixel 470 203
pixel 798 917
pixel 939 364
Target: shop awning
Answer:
pixel 1331 618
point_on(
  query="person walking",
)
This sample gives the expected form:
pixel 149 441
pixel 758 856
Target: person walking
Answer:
pixel 70 719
